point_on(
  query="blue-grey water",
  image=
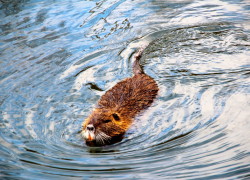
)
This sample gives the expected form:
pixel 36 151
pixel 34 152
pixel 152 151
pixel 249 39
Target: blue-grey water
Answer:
pixel 57 58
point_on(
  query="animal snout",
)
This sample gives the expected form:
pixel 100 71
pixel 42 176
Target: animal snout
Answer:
pixel 90 127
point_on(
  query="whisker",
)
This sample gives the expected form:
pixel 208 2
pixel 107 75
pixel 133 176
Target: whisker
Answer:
pixel 100 138
pixel 105 136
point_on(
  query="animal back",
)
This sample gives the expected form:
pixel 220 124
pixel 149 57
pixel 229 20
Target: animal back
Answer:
pixel 130 96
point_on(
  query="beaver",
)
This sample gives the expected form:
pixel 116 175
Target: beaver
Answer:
pixel 118 107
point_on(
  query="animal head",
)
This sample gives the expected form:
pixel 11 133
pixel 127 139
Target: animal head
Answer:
pixel 104 127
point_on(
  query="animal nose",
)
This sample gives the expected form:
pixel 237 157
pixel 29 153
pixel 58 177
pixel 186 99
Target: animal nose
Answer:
pixel 90 127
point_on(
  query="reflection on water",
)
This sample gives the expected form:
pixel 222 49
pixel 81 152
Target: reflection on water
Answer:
pixel 58 58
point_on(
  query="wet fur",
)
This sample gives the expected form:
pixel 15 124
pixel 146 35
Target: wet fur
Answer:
pixel 118 107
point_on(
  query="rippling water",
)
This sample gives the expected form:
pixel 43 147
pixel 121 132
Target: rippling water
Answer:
pixel 57 58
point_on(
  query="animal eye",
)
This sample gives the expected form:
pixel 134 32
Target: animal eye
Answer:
pixel 116 117
pixel 107 120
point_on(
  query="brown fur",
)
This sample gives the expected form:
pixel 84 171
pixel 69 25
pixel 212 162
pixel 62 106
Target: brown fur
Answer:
pixel 118 107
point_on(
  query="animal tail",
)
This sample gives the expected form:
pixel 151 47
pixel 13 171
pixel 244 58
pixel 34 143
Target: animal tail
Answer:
pixel 136 66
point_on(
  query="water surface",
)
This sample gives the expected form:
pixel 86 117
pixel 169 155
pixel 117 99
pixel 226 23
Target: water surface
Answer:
pixel 57 58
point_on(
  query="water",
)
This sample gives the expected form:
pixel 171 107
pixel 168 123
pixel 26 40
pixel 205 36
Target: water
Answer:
pixel 57 58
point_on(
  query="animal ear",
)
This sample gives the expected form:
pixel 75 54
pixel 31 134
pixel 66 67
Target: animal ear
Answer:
pixel 116 117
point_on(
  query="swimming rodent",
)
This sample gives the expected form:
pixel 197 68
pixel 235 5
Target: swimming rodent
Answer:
pixel 118 107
